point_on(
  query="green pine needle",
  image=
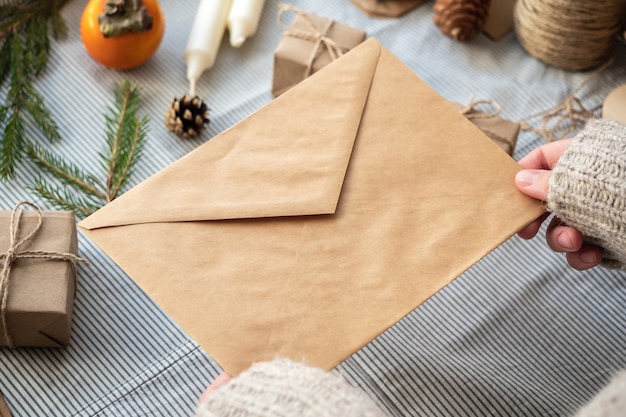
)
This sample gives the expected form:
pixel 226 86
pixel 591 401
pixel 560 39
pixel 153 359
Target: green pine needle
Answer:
pixel 128 154
pixel 83 192
pixel 25 30
pixel 5 60
pixel 125 137
pixel 64 199
pixel 57 24
pixel 67 173
pixel 42 117
pixel 10 147
pixel 37 44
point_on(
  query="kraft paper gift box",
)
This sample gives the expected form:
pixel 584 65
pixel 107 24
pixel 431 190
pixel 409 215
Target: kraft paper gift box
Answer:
pixel 307 45
pixel 40 291
pixel 502 131
pixel 500 20
pixel 313 225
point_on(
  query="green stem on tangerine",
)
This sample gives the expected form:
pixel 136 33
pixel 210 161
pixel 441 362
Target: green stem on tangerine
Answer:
pixel 121 16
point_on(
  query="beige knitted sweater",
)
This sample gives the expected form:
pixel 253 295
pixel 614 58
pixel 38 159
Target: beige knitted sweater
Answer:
pixel 587 190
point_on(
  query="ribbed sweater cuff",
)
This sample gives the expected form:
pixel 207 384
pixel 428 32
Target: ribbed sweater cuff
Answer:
pixel 610 402
pixel 284 388
pixel 588 188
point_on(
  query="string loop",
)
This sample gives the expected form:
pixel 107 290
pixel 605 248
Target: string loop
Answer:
pixel 568 116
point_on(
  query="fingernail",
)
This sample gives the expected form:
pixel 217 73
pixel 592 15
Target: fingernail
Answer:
pixel 589 257
pixel 564 240
pixel 526 177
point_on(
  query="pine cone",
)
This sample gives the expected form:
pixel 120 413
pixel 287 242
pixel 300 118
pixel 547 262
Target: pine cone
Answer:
pixel 187 116
pixel 461 20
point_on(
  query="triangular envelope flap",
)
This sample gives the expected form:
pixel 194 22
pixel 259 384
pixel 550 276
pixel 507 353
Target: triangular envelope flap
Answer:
pixel 287 159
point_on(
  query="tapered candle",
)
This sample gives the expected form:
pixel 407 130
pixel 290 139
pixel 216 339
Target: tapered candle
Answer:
pixel 205 38
pixel 243 20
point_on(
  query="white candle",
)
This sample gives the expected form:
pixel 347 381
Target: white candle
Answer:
pixel 243 20
pixel 205 38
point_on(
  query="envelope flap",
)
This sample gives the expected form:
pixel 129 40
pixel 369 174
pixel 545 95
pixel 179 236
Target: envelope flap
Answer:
pixel 271 164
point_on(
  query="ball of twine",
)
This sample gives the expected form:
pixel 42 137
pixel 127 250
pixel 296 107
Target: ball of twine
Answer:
pixel 570 34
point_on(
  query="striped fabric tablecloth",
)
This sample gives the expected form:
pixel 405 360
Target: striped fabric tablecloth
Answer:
pixel 519 334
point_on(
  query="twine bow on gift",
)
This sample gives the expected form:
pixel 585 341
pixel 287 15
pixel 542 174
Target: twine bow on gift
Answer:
pixel 472 112
pixel 472 106
pixel 312 34
pixel 13 253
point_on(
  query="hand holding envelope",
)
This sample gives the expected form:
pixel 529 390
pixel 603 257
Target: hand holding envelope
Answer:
pixel 318 222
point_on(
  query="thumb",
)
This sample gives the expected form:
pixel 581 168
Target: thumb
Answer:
pixel 222 379
pixel 533 182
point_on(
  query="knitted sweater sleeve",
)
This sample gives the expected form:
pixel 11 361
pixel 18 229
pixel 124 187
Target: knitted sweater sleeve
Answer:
pixel 284 388
pixel 588 188
pixel 610 402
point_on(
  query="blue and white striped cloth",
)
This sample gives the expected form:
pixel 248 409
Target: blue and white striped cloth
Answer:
pixel 519 334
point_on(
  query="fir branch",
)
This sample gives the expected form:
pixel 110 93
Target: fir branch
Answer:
pixel 9 148
pixel 132 149
pixel 66 172
pixel 125 137
pixel 5 61
pixel 14 16
pixel 57 24
pixel 84 192
pixel 33 103
pixel 63 199
pixel 117 128
pixel 14 127
pixel 24 53
pixel 37 44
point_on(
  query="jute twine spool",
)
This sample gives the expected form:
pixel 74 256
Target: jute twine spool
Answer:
pixel 574 35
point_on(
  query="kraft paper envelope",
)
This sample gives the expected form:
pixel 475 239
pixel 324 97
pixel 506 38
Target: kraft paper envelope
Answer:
pixel 316 223
pixel 4 408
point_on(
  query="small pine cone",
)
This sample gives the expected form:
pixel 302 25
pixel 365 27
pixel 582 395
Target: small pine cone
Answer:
pixel 461 20
pixel 187 116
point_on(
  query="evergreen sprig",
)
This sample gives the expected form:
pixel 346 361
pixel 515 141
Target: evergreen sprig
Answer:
pixel 25 29
pixel 125 139
pixel 82 192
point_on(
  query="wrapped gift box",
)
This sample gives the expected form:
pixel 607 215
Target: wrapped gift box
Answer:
pixel 310 43
pixel 41 292
pixel 502 131
pixel 500 19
